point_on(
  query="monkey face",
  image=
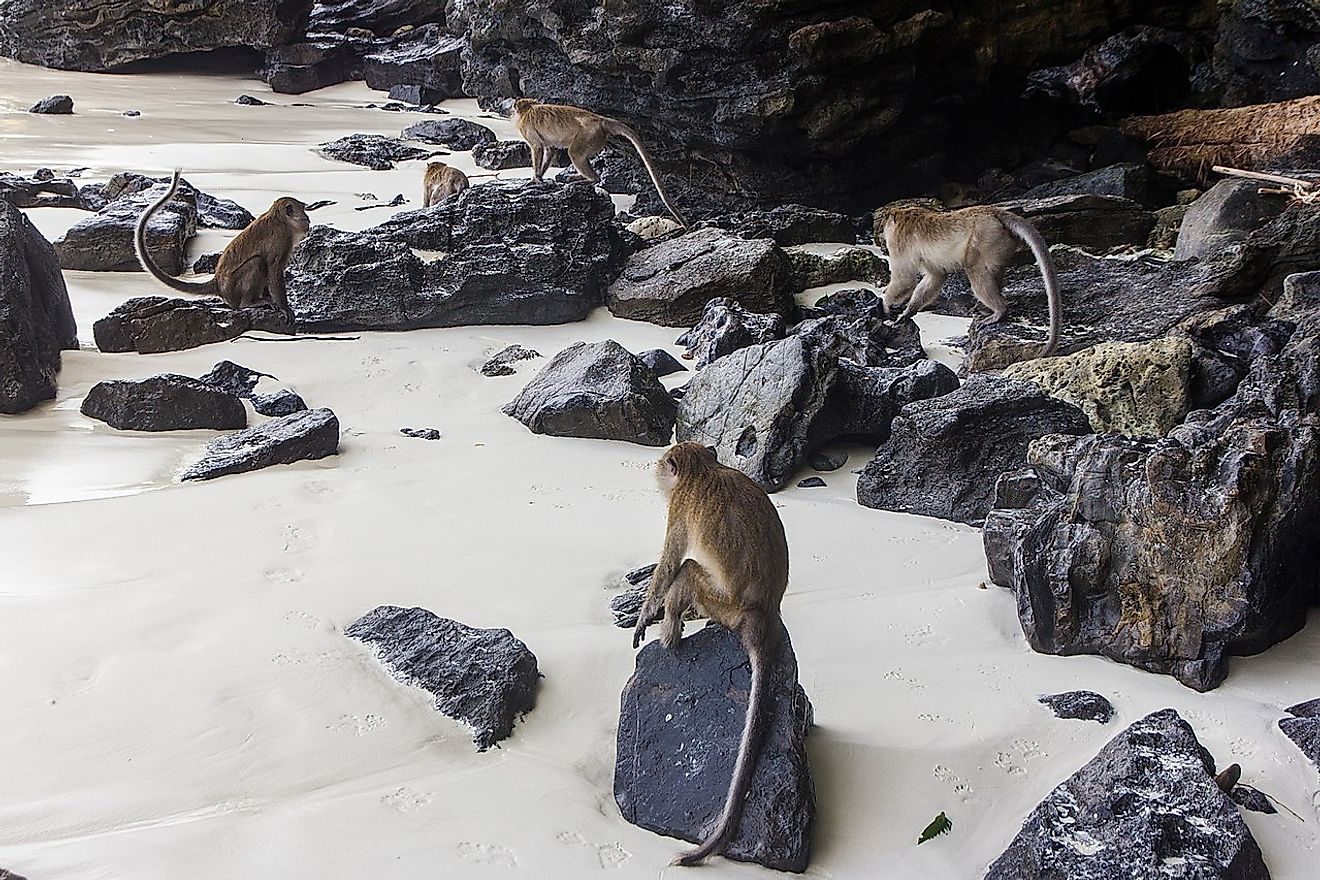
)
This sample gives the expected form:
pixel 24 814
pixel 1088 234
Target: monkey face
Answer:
pixel 294 213
pixel 666 472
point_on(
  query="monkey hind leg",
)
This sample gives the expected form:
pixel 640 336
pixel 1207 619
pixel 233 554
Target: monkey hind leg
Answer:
pixel 898 290
pixel 925 294
pixel 691 582
pixel 986 286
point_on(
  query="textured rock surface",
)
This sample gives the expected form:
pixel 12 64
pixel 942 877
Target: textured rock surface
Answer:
pixel 74 35
pixel 1080 706
pixel 212 211
pixel 168 402
pixel 514 253
pixel 314 64
pixel 36 318
pixel 598 390
pixel 484 678
pixel 381 17
pixel 242 382
pixel 502 155
pixel 1127 181
pixel 150 324
pixel 457 134
pixel 661 362
pixel 788 225
pixel 1266 50
pixel 374 151
pixel 426 58
pixel 1095 223
pixel 725 327
pixel 104 241
pixel 38 192
pixel 1303 728
pixel 55 105
pixel 1133 388
pixel 1173 554
pixel 942 454
pixel 680 720
pixel 670 283
pixel 846 264
pixel 1145 808
pixel 1225 214
pixel 499 363
pixel 302 436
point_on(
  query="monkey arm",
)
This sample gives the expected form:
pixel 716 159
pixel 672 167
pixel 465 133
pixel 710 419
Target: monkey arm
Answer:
pixel 671 557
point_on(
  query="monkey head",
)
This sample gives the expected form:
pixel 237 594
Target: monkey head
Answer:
pixel 682 460
pixel 522 105
pixel 294 213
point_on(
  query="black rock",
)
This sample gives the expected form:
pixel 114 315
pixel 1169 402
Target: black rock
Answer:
pixel 381 17
pixel 132 113
pixel 1145 808
pixel 1303 728
pixel 10 875
pixel 1127 181
pixel 416 95
pixel 600 391
pixel 421 433
pixel 680 721
pixel 502 155
pixel 212 211
pixel 627 606
pixel 827 460
pixel 455 133
pixel 168 402
pixel 484 678
pixel 278 403
pixel 205 264
pixel 789 224
pixel 766 408
pixel 1251 799
pixel 661 362
pixel 104 241
pixel 1080 706
pixel 514 253
pixel 725 327
pixel 426 59
pixel 847 264
pixel 1138 70
pixel 234 378
pixel 150 324
pixel 498 365
pixel 249 101
pixel 36 318
pixel 811 483
pixel 313 64
pixel 671 282
pixel 39 192
pixel 302 436
pixel 55 104
pixel 1095 223
pixel 621 171
pixel 1266 51
pixel 375 151
pixel 867 339
pixel 1225 215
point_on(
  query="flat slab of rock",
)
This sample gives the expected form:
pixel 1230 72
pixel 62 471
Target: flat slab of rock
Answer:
pixel 302 436
pixel 455 133
pixel 680 721
pixel 168 402
pixel 484 678
pixel 790 224
pixel 502 155
pixel 36 317
pixel 670 283
pixel 104 241
pixel 151 324
pixel 598 390
pixel 426 58
pixel 374 151
pixel 943 455
pixel 1145 808
pixel 39 192
pixel 1303 728
pixel 1080 706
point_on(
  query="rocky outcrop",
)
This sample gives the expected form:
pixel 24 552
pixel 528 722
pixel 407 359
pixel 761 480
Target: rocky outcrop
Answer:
pixel 1225 215
pixel 786 224
pixel 670 283
pixel 314 64
pixel 1135 388
pixel 1146 808
pixel 598 390
pixel 941 453
pixel 513 253
pixel 104 241
pixel 151 324
pixel 39 191
pixel 502 155
pixel 484 678
pixel 212 211
pixel 426 58
pixel 680 721
pixel 1173 554
pixel 36 318
pixel 1128 181
pixel 1094 223
pixel 1080 706
pixel 71 35
pixel 1303 728
pixel 168 402
pixel 846 264
pixel 374 151
pixel 766 408
pixel 302 436
pixel 381 17
pixel 454 133
pixel 1265 51
pixel 725 327
pixel 55 105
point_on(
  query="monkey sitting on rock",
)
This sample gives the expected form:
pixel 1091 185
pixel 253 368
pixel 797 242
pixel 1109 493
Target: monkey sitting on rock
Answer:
pixel 440 181
pixel 980 240
pixel 251 265
pixel 724 553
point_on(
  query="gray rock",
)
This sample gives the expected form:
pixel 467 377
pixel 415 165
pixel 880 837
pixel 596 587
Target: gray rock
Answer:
pixel 425 58
pixel 1145 808
pixel 1080 706
pixel 811 483
pixel 502 155
pixel 326 60
pixel 376 16
pixel 416 95
pixel 670 282
pixel 168 402
pixel 36 318
pixel 1303 728
pixel 302 436
pixel 10 875
pixel 234 378
pixel 374 151
pixel 421 433
pixel 249 101
pixel 725 327
pixel 54 105
pixel 679 727
pixel 849 264
pixel 205 264
pixel 213 212
pixel 499 364
pixel 456 134
pixel 827 460
pixel 39 192
pixel 867 339
pixel 151 324
pixel 661 362
pixel 1225 215
pixel 597 390
pixel 1126 181
pixel 627 606
pixel 104 241
pixel 766 408
pixel 283 402
pixel 484 678
pixel 1265 51
pixel 1095 223
pixel 789 224
pixel 942 455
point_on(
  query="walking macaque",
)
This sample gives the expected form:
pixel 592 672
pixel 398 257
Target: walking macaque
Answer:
pixel 981 240
pixel 724 553
pixel 251 265
pixel 440 182
pixel 582 133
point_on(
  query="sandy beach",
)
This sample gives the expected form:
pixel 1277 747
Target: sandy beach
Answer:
pixel 178 695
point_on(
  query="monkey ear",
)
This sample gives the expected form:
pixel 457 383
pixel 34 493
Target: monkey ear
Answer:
pixel 713 451
pixel 673 466
pixel 291 209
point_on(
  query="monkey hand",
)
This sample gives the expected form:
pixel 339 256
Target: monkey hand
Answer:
pixel 639 634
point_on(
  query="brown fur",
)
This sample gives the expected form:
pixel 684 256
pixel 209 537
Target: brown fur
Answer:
pixel 582 133
pixel 725 553
pixel 251 265
pixel 440 182
pixel 926 245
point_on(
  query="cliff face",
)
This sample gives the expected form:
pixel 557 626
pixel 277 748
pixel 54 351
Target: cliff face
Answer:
pixel 796 100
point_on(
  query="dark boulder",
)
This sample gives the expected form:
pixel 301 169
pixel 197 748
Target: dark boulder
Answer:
pixel 426 58
pixel 454 133
pixel 55 105
pixel 484 678
pixel 421 433
pixel 827 460
pixel 168 402
pixel 249 101
pixel 381 17
pixel 242 382
pixel 150 324
pixel 302 436
pixel 661 362
pixel 1266 51
pixel 1096 223
pixel 680 721
pixel 811 483
pixel 1145 808
pixel 374 151
pixel 787 225
pixel 418 96
pixel 1125 181
pixel 104 241
pixel 282 402
pixel 205 264
pixel 725 327
pixel 847 264
pixel 597 390
pixel 502 155
pixel 670 282
pixel 36 318
pixel 1303 728
pixel 513 253
pixel 943 455
pixel 1080 706
pixel 68 35
pixel 866 338
pixel 212 211
pixel 1173 554
pixel 500 363
pixel 39 192
pixel 1224 215
pixel 313 64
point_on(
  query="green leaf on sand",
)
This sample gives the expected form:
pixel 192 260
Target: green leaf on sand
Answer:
pixel 939 825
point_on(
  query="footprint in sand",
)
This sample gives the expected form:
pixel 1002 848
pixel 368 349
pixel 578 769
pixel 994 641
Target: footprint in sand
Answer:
pixel 611 855
pixel 303 619
pixel 360 725
pixel 1028 749
pixel 1004 761
pixel 918 636
pixel 571 838
pixel 406 799
pixel 1241 747
pixel 283 575
pixel 944 774
pixel 488 854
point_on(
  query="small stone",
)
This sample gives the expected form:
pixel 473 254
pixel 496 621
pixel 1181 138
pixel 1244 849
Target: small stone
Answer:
pixel 456 133
pixel 1080 706
pixel 55 105
pixel 811 483
pixel 499 364
pixel 249 101
pixel 421 433
pixel 132 113
pixel 828 460
pixel 1252 799
pixel 278 403
pixel 205 264
pixel 661 362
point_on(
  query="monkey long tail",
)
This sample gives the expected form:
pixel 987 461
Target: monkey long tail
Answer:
pixel 614 126
pixel 140 243
pixel 748 750
pixel 1041 251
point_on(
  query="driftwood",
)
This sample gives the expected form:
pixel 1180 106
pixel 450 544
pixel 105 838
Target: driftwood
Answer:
pixel 1305 191
pixel 1191 142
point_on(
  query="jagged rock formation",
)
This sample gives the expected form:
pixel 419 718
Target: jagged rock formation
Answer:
pixel 301 436
pixel 150 324
pixel 168 402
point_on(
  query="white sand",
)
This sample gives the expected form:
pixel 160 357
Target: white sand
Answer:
pixel 178 699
